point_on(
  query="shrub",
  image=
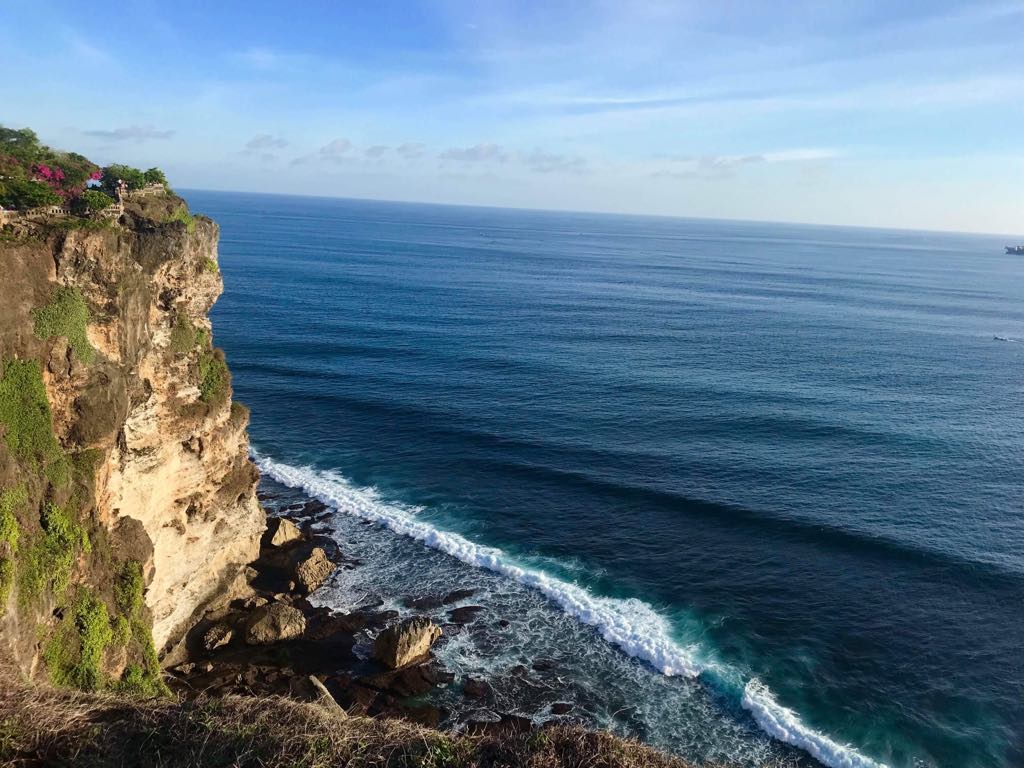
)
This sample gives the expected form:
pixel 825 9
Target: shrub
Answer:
pixel 185 337
pixel 93 200
pixel 210 265
pixel 25 194
pixel 10 532
pixel 25 414
pixel 67 314
pixel 10 500
pixel 128 589
pixel 74 654
pixel 184 217
pixel 213 376
pixel 50 559
pixel 6 581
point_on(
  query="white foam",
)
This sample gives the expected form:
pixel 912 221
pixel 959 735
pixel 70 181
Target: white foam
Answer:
pixel 785 725
pixel 631 625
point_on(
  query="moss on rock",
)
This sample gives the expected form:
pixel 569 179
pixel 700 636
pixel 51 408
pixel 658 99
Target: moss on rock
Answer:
pixel 66 314
pixel 25 415
pixel 74 654
pixel 214 377
pixel 50 558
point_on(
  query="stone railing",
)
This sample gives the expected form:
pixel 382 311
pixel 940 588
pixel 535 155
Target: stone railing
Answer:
pixel 153 188
pixel 112 211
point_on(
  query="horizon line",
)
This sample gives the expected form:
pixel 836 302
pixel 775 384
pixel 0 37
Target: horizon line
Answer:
pixel 674 217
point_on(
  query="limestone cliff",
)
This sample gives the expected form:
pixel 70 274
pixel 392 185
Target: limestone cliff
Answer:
pixel 123 461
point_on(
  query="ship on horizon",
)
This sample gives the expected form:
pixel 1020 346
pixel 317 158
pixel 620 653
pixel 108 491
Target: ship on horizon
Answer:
pixel 1015 250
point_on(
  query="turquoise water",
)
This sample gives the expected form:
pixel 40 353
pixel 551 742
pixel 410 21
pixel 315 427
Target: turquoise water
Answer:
pixel 757 486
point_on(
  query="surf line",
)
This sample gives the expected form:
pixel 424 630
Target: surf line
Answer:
pixel 631 625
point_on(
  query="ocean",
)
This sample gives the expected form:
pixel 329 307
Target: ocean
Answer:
pixel 749 492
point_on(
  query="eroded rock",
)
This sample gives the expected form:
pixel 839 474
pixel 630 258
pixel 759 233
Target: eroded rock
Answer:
pixel 313 571
pixel 217 636
pixel 281 531
pixel 274 623
pixel 406 642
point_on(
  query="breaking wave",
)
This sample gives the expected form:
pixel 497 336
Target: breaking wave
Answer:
pixel 631 625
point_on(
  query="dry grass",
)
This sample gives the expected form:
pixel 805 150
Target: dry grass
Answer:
pixel 46 726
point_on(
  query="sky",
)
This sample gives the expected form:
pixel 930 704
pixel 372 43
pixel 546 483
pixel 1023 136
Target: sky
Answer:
pixel 902 114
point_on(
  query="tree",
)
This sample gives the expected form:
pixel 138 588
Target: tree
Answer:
pixel 91 201
pixel 155 176
pixel 21 143
pixel 24 194
pixel 135 178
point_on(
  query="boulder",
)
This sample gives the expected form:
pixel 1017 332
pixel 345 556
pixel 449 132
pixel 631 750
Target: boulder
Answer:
pixel 406 642
pixel 475 689
pixel 282 531
pixel 217 636
pixel 464 615
pixel 273 623
pixel 314 570
pixel 457 595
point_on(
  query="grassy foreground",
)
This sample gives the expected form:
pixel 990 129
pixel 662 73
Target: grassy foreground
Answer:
pixel 48 726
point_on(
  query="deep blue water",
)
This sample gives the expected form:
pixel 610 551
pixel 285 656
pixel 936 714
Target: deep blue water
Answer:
pixel 782 463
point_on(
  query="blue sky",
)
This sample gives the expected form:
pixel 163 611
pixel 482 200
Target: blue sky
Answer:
pixel 906 114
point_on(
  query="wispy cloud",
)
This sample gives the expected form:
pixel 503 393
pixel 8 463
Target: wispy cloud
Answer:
pixel 377 151
pixel 411 150
pixel 131 133
pixel 88 50
pixel 264 142
pixel 336 149
pixel 263 59
pixel 711 166
pixel 547 162
pixel 486 152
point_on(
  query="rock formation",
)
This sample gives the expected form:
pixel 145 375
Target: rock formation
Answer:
pixel 406 642
pixel 124 468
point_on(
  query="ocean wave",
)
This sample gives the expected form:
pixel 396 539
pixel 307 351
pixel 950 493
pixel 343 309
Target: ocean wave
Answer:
pixel 629 624
pixel 785 725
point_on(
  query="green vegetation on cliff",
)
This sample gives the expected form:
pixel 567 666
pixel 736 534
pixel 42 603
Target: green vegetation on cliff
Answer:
pixel 11 500
pixel 26 419
pixel 66 314
pixel 47 563
pixel 214 377
pixel 74 653
pixel 183 216
pixel 185 336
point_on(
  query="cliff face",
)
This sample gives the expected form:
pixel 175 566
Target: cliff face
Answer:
pixel 141 477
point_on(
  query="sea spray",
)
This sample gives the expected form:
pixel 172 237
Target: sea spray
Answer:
pixel 629 624
pixel 785 725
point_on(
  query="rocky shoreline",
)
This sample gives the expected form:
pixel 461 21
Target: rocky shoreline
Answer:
pixel 265 637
